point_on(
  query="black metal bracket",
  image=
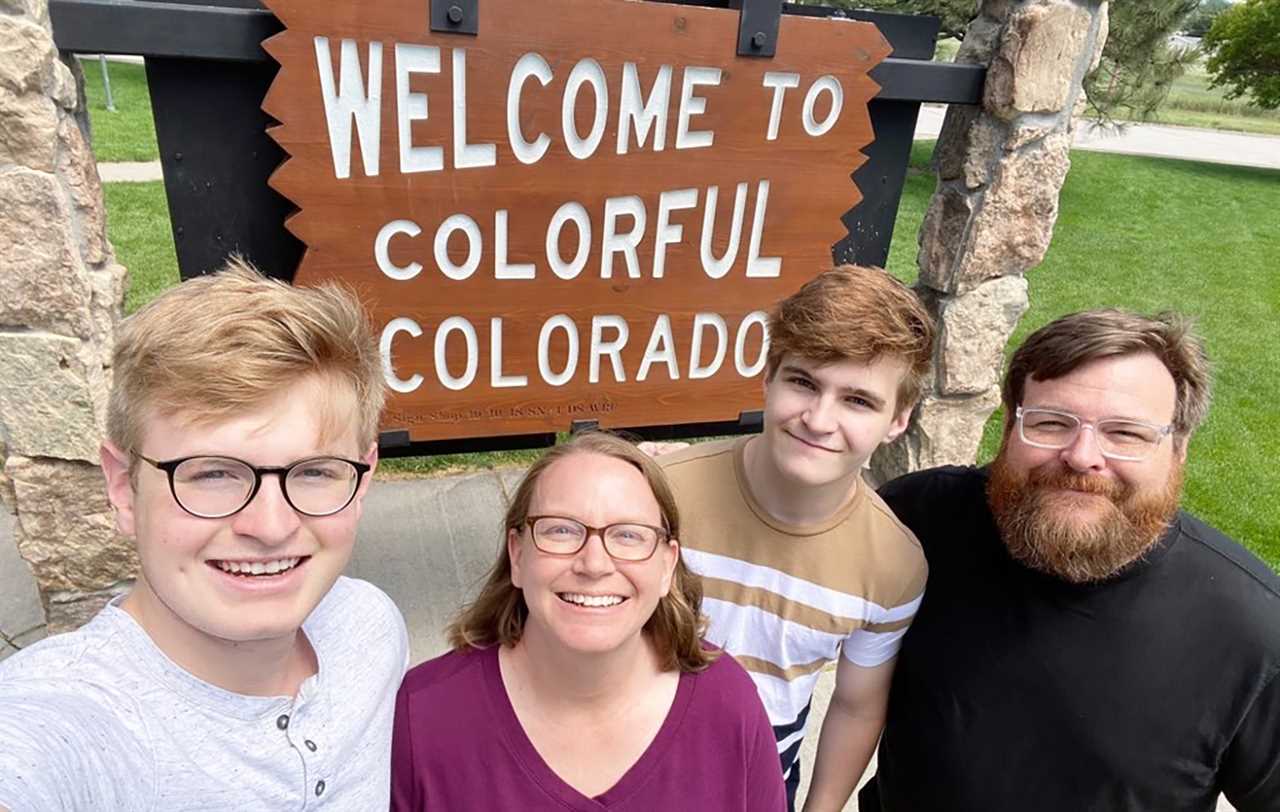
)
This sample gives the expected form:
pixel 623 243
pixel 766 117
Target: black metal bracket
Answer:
pixel 395 438
pixel 455 16
pixel 751 421
pixel 580 426
pixel 758 24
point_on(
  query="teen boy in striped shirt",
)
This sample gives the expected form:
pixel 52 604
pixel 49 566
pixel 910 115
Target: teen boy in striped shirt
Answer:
pixel 803 564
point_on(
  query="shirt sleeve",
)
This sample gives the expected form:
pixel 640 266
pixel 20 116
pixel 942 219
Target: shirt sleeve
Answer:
pixel 62 752
pixel 1250 771
pixel 878 640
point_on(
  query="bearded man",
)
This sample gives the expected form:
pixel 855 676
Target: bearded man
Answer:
pixel 1083 644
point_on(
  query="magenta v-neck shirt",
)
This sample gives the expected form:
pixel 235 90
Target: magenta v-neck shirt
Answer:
pixel 457 745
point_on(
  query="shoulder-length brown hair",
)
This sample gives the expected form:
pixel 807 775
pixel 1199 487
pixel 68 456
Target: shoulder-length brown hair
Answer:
pixel 498 615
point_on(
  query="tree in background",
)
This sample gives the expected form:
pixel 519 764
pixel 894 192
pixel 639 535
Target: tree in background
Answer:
pixel 1138 66
pixel 1244 51
pixel 1198 22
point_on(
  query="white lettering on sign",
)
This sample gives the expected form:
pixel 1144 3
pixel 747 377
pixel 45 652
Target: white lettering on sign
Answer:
pixel 411 107
pixel 667 232
pixel 558 322
pixel 568 213
pixel 613 348
pixel 469 228
pixel 398 325
pixel 701 321
pixel 624 228
pixel 758 266
pixel 626 243
pixel 831 86
pixel 780 81
pixel 496 378
pixel 750 370
pixel 531 65
pixel 661 349
pixel 352 95
pixel 382 250
pixel 609 336
pixel 693 105
pixel 642 119
pixel 465 155
pixel 716 267
pixel 350 98
pixel 586 72
pixel 501 268
pixel 460 325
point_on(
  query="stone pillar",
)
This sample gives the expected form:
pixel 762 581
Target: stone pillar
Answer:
pixel 60 299
pixel 1000 168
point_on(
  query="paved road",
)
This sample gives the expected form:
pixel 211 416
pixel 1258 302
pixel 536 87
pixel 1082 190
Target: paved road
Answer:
pixel 1155 140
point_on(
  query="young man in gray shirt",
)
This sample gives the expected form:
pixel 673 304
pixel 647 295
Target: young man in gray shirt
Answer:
pixel 242 671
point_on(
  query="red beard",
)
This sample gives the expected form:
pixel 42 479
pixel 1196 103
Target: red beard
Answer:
pixel 1077 527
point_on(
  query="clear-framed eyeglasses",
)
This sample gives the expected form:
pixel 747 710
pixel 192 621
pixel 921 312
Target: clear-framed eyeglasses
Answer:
pixel 560 535
pixel 217 487
pixel 1117 439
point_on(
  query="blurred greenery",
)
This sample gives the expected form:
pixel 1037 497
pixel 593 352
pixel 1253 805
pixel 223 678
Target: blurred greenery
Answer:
pixel 128 134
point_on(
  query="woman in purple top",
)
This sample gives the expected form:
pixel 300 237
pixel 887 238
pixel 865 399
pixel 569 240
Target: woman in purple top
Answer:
pixel 578 679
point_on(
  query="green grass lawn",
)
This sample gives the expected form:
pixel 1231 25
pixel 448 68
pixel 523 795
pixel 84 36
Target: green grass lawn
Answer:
pixel 128 134
pixel 1143 233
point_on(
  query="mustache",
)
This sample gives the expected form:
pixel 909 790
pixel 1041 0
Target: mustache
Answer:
pixel 1070 480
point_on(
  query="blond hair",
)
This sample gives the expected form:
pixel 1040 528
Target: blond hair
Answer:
pixel 498 614
pixel 855 313
pixel 220 345
pixel 1070 342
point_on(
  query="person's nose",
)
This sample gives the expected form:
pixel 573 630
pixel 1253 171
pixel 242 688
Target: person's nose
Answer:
pixel 593 561
pixel 268 518
pixel 1084 454
pixel 820 417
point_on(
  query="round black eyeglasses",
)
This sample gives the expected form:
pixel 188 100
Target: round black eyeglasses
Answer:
pixel 211 487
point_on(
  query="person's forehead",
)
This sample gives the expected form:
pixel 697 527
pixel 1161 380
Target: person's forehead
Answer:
pixel 1138 386
pixel 297 424
pixel 586 481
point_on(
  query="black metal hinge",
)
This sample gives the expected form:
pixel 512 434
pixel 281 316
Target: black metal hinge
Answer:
pixel 455 16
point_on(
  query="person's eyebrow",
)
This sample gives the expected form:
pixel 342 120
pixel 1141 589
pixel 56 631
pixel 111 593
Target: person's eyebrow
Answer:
pixel 793 369
pixel 866 394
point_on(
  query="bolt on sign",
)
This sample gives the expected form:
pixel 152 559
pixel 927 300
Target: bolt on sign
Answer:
pixel 582 212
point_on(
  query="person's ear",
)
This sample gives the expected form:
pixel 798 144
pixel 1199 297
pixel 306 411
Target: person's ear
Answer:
pixel 370 458
pixel 670 553
pixel 898 425
pixel 514 552
pixel 115 469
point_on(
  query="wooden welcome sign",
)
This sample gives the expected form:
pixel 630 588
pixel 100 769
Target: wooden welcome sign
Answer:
pixel 581 213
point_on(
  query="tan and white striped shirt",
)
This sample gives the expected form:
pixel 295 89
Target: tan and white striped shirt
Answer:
pixel 786 600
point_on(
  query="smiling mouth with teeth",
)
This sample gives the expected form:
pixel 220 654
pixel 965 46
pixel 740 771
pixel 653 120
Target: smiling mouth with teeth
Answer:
pixel 591 601
pixel 256 569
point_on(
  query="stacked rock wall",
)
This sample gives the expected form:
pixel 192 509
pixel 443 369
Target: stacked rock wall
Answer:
pixel 60 295
pixel 1000 168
